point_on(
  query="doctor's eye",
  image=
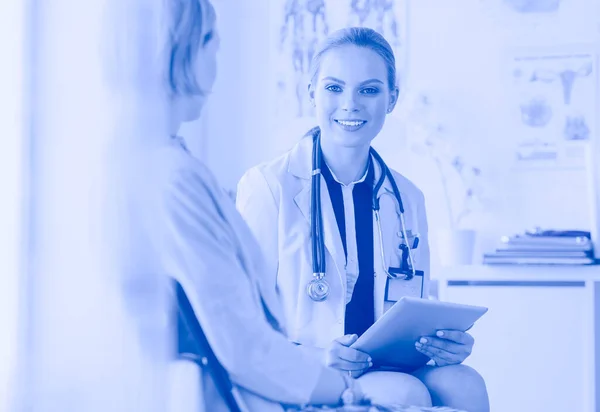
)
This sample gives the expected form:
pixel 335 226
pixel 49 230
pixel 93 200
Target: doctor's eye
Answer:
pixel 370 90
pixel 333 88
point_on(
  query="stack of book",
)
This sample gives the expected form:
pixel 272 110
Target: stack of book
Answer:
pixel 539 247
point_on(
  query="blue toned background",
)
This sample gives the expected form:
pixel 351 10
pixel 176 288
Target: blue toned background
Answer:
pixel 473 74
pixel 536 347
pixel 461 55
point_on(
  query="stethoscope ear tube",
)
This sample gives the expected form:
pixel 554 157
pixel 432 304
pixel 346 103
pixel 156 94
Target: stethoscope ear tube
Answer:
pixel 316 220
pixel 318 288
pixel 385 172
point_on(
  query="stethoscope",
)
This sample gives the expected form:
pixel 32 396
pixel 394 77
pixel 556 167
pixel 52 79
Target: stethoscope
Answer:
pixel 318 288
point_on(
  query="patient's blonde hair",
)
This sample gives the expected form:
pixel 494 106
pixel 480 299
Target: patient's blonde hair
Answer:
pixel 185 30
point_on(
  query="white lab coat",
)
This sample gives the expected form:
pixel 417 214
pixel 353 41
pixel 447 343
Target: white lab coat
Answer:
pixel 274 199
pixel 182 224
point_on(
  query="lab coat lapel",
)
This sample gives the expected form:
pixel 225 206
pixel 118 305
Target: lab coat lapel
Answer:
pixel 301 166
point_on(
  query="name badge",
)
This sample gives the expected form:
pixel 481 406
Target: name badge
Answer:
pixel 395 289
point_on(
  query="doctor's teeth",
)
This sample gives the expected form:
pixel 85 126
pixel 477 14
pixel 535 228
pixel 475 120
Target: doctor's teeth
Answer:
pixel 350 123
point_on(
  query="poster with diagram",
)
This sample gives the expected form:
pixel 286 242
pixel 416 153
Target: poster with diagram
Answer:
pixel 299 25
pixel 543 21
pixel 555 106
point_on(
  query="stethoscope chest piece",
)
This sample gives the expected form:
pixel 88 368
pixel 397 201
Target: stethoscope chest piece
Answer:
pixel 318 289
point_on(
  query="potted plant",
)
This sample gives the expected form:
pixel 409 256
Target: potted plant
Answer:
pixel 429 134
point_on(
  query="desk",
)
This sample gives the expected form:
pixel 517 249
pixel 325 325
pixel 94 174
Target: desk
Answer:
pixel 538 347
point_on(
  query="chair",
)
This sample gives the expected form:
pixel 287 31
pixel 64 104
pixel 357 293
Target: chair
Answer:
pixel 192 345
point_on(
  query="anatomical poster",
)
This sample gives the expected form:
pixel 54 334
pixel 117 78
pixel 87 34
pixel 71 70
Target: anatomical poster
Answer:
pixel 554 107
pixel 298 26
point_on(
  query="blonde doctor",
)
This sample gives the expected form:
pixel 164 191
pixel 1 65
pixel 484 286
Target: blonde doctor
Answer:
pixel 345 237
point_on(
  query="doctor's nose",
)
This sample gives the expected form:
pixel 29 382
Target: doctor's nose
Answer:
pixel 349 103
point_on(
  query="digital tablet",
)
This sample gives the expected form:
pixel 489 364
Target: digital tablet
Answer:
pixel 391 340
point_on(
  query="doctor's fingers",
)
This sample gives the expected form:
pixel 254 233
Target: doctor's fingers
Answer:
pixel 441 357
pixel 344 365
pixel 351 354
pixel 347 340
pixel 446 345
pixel 456 336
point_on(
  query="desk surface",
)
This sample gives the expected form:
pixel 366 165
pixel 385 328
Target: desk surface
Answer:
pixel 519 273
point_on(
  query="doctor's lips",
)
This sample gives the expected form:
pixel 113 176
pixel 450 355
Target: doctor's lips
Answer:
pixel 350 125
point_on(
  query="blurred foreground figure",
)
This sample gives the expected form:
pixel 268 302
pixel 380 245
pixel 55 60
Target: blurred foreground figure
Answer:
pixel 176 222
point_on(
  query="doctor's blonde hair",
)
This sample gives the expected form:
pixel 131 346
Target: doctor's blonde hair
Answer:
pixel 360 37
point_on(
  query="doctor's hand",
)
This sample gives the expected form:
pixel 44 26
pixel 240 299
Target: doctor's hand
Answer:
pixel 340 356
pixel 448 347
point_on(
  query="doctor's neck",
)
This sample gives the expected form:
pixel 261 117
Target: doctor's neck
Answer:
pixel 348 164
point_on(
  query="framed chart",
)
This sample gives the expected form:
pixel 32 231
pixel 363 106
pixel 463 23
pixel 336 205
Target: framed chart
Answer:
pixel 554 98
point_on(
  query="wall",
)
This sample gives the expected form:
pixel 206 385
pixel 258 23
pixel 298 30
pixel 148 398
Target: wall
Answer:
pixel 231 136
pixel 12 103
pixel 460 48
pixel 457 49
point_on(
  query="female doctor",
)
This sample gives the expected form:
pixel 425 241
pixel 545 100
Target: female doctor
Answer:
pixel 345 237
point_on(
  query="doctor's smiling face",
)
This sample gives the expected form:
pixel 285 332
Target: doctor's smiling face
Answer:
pixel 353 87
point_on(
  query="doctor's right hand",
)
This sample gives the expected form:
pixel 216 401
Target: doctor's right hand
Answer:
pixel 341 356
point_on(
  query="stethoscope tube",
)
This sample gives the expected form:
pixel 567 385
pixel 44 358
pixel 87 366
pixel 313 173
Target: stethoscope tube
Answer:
pixel 385 172
pixel 318 244
pixel 318 288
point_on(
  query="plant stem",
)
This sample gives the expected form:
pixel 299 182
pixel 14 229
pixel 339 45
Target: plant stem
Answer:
pixel 446 194
pixel 461 216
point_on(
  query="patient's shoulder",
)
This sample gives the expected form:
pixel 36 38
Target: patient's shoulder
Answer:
pixel 268 175
pixel 270 170
pixel 169 176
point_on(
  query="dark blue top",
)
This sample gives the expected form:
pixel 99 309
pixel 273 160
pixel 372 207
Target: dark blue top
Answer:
pixel 360 311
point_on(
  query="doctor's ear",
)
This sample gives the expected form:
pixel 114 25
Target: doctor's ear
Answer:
pixel 393 99
pixel 311 95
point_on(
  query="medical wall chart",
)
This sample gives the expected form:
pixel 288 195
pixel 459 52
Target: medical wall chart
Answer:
pixel 564 19
pixel 299 25
pixel 554 105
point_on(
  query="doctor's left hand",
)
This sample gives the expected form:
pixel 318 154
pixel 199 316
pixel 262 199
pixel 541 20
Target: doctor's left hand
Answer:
pixel 448 347
pixel 341 356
